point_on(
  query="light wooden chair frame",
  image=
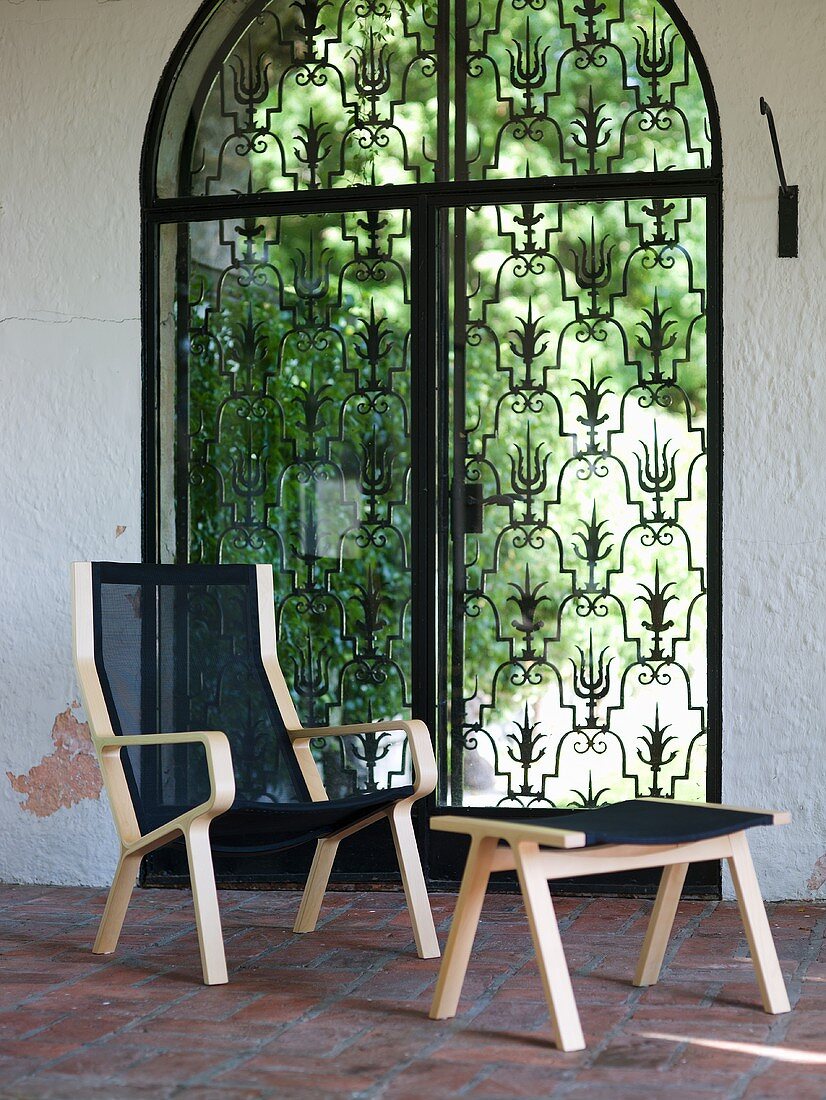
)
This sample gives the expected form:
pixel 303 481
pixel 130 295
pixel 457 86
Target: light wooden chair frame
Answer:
pixel 194 824
pixel 539 855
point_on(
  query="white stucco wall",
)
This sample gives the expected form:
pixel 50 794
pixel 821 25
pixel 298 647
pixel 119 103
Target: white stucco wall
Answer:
pixel 76 81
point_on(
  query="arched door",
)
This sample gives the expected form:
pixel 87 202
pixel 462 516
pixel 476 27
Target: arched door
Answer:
pixel 432 318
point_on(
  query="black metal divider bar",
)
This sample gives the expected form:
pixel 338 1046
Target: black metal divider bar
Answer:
pixel 636 185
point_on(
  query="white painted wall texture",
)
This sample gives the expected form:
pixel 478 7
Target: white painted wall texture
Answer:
pixel 76 81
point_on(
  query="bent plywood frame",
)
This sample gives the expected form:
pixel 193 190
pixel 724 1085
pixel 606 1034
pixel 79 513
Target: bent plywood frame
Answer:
pixel 194 824
pixel 540 855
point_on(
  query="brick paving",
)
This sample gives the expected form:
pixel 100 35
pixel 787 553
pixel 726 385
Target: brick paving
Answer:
pixel 343 1012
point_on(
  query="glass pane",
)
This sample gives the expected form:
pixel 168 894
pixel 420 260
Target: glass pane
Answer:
pixel 293 448
pixel 579 87
pixel 312 95
pixel 579 636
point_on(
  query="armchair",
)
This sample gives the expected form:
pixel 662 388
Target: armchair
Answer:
pixel 192 650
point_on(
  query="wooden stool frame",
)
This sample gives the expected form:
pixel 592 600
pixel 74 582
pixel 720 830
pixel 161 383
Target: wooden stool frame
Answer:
pixel 539 855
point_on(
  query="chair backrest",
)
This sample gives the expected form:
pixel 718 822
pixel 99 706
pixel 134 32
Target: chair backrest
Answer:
pixel 184 648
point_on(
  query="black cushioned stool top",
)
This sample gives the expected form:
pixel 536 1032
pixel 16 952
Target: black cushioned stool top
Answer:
pixel 641 822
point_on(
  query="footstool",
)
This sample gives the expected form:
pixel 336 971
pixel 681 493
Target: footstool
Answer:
pixel 647 832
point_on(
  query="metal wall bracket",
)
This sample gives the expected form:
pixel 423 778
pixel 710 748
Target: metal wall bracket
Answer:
pixel 788 196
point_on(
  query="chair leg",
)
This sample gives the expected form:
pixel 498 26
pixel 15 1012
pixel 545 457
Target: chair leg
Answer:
pixel 547 943
pixel 117 903
pixel 410 865
pixel 659 927
pixel 758 932
pixel 205 898
pixel 316 885
pixel 463 928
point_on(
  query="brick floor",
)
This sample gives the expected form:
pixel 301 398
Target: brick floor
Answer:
pixel 343 1012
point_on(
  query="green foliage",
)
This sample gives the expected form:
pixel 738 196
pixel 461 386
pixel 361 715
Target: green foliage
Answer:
pixel 581 335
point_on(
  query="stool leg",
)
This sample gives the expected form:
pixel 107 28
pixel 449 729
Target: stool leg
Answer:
pixel 659 927
pixel 547 943
pixel 758 932
pixel 463 928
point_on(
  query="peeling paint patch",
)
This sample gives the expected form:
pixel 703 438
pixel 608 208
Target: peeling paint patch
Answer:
pixel 68 775
pixel 119 530
pixel 818 876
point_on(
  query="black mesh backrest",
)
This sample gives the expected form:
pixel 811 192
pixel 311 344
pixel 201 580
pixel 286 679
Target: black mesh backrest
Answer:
pixel 177 649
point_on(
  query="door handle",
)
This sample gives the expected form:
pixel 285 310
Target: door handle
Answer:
pixel 474 505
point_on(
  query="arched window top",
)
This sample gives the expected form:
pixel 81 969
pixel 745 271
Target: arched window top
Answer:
pixel 322 94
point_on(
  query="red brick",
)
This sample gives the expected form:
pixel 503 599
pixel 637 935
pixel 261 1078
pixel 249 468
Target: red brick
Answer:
pixel 345 1010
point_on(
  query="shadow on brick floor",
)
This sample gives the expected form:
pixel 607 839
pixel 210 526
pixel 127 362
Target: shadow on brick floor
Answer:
pixel 343 1012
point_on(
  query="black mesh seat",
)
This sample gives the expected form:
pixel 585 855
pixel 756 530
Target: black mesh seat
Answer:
pixel 649 822
pixel 257 829
pixel 200 743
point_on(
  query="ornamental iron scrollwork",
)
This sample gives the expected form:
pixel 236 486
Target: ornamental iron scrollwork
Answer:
pixel 572 352
pixel 581 87
pixel 298 454
pixel 355 93
pixel 321 93
pixel 580 622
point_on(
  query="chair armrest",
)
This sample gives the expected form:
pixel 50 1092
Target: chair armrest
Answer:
pixel 219 766
pixel 779 817
pixel 418 737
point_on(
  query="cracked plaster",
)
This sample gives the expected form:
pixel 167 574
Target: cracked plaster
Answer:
pixel 70 362
pixel 66 776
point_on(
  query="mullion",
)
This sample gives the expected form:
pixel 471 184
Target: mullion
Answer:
pixel 422 401
pixel 442 341
pixel 714 499
pixel 425 397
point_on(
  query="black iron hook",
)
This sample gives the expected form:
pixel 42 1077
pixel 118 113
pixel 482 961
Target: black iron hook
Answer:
pixel 788 195
pixel 766 110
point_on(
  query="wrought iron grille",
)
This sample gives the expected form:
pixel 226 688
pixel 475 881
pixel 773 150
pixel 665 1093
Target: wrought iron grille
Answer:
pixel 298 451
pixel 443 346
pixel 579 623
pixel 582 87
pixel 319 94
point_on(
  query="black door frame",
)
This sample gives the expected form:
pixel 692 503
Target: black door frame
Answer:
pixel 443 856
